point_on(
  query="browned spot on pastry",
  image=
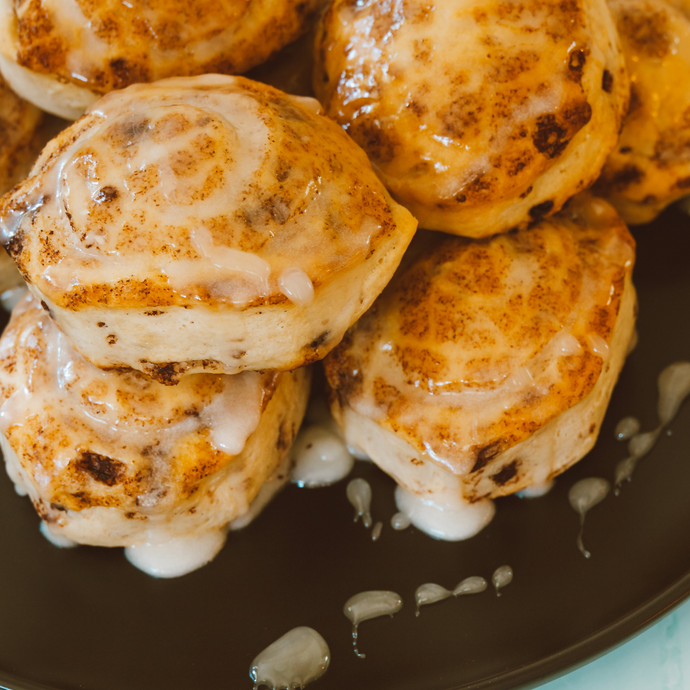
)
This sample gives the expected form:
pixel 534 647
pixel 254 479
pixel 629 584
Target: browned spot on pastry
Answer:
pixel 540 210
pixel 647 32
pixel 550 138
pixel 103 469
pixel 626 176
pixel 319 340
pixel 607 81
pixel 486 454
pixel 576 64
pixel 506 474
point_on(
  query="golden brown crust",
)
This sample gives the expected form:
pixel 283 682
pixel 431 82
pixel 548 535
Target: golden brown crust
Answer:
pixel 110 439
pixel 650 167
pixel 282 184
pixel 454 126
pixel 478 345
pixel 104 45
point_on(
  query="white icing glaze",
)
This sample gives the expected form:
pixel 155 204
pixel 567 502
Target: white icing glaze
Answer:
pixel 93 397
pixel 296 285
pixel 447 523
pixel 583 496
pixel 233 415
pixel 502 577
pixel 320 456
pixel 366 605
pixel 359 495
pixel 293 660
pixel 674 388
pixel 598 345
pixel 567 344
pixel 400 521
pixel 376 531
pixel 56 539
pixel 470 585
pixel 430 593
pixel 627 428
pixel 537 490
pixel 178 556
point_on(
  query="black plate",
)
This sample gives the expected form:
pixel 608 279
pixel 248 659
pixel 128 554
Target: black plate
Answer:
pixel 85 618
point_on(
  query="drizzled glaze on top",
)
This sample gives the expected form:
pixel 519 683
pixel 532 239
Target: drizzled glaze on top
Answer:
pixel 219 190
pixel 477 345
pixel 459 125
pixel 650 166
pixel 88 438
pixel 110 44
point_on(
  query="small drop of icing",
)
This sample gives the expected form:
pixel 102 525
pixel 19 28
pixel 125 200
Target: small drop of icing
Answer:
pixel 367 605
pixel 627 428
pixel 674 388
pixel 400 521
pixel 598 345
pixel 296 285
pixel 502 576
pixel 449 524
pixel 583 496
pixel 359 495
pixel 430 593
pixel 178 556
pixel 567 344
pixel 293 660
pixel 471 585
pixel 537 490
pixel 56 539
pixel 321 458
pixel 376 532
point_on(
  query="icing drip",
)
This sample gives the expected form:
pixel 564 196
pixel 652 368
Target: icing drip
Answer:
pixel 583 496
pixel 627 428
pixel 430 593
pixel 56 539
pixel 537 490
pixel 293 660
pixel 502 577
pixel 674 388
pixel 367 605
pixel 178 556
pixel 400 521
pixel 450 524
pixel 376 532
pixel 321 457
pixel 359 495
pixel 471 585
pixel 296 285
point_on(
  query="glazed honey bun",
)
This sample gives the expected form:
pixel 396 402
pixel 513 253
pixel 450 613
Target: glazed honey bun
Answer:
pixel 207 224
pixel 480 135
pixel 650 167
pixel 486 367
pixel 115 459
pixel 63 54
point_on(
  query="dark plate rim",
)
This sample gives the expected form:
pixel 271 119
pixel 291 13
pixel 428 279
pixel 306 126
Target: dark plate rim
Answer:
pixel 588 649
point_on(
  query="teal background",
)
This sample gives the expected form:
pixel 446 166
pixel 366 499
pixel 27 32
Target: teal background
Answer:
pixel 657 659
